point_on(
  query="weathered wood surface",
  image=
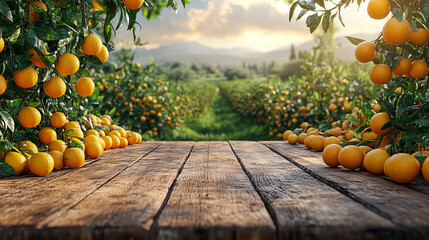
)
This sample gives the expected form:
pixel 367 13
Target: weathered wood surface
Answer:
pixel 214 199
pixel 212 190
pixel 407 208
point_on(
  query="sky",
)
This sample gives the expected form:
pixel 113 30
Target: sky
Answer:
pixel 261 25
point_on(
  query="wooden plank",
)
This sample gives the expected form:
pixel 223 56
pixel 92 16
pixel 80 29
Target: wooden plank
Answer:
pixel 302 206
pixel 32 206
pixel 214 199
pixel 403 206
pixel 127 205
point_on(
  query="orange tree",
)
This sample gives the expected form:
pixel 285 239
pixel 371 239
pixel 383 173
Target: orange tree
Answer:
pixel 401 50
pixel 45 48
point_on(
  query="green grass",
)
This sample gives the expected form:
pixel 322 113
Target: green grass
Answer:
pixel 218 122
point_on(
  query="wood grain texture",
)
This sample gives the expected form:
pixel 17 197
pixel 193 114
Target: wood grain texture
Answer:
pixel 23 213
pixel 126 206
pixel 214 199
pixel 404 206
pixel 303 207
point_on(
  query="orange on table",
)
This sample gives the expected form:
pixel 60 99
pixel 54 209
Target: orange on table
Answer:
pixel 425 169
pixel 41 164
pixel 75 157
pixel 94 149
pixel 351 157
pixel 292 139
pixel 16 160
pixel 58 157
pixel 317 143
pixel 331 140
pixel 133 138
pixel 330 155
pixel 92 132
pixel 307 141
pixel 115 133
pixel 378 121
pixel 57 145
pixel 77 132
pixel 402 168
pixel 286 134
pixel 374 161
pixel 115 141
pixel 123 142
pixel 301 137
pixel 29 117
pixel 108 142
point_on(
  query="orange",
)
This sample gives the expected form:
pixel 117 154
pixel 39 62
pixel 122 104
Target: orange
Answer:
pixel 285 134
pixel 115 133
pixel 16 160
pixel 26 78
pixel 292 139
pixel 115 141
pixel 330 155
pixel 57 145
pixel 77 132
pixel 380 74
pixel 92 138
pixel 122 131
pixel 365 149
pixel 91 45
pixel 374 161
pixel 123 142
pixel 41 164
pixel 351 157
pixel 92 132
pixel 3 84
pixel 74 157
pixel 103 55
pixel 403 67
pixel 35 59
pixel 301 137
pixel 377 107
pixel 1 44
pixel 133 4
pixel 29 117
pixel 133 138
pixel 419 69
pixel 34 6
pixel 331 140
pixel 396 33
pixel 402 168
pixel 365 52
pixel 84 86
pixel 419 37
pixel 58 120
pixel 378 121
pixel 71 124
pixel 425 169
pixel 94 149
pixel 96 6
pixel 28 146
pixel 58 157
pixel 56 87
pixel 378 9
pixel 67 64
pixel 332 107
pixel 107 141
pixel 317 143
pixel 350 135
pixel 47 135
pixel 370 136
pixel 307 141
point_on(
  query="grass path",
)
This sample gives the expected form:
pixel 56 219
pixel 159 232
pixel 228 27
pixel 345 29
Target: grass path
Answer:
pixel 218 122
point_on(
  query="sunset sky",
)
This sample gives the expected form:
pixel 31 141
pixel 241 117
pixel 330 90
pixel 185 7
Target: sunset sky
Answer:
pixel 258 24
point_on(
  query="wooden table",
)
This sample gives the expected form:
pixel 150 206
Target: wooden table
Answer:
pixel 212 190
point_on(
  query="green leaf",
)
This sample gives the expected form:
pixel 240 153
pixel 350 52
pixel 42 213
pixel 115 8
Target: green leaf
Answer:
pixel 422 122
pixel 292 10
pixel 68 132
pixel 8 120
pixel 326 20
pixel 6 170
pixel 49 34
pixel 321 3
pixel 354 41
pixel 5 11
pixel 307 4
pixel 398 13
pixel 313 22
pixel 301 14
pixel 415 134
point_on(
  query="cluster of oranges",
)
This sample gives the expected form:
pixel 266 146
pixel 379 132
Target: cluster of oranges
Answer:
pixel 373 156
pixel 395 33
pixel 76 144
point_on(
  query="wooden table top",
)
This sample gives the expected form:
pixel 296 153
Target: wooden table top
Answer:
pixel 212 190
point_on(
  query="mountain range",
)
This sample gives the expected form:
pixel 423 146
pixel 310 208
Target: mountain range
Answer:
pixel 193 52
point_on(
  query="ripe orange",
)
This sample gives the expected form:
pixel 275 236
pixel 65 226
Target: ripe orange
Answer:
pixel 1 44
pixel 58 157
pixel 292 139
pixel 58 120
pixel 96 6
pixel 419 37
pixel 122 131
pixel 16 160
pixel 115 141
pixel 92 132
pixel 350 135
pixel 3 84
pixel 107 141
pixel 115 133
pixel 123 142
pixel 307 141
pixel 425 169
pixel 332 107
pixel 71 124
pixel 57 145
pixel 35 59
pixel 330 155
pixel 351 157
pixel 34 6
pixel 374 161
pixel 378 9
pixel 331 140
pixel 133 138
pixel 103 55
pixel 419 69
pixel 91 45
pixel 377 107
pixel 133 4
pixel 67 64
pixel 378 121
pixel 84 86
pixel 301 137
pixel 317 143
pixel 94 149
pixel 396 33
pixel 26 78
pixel 29 117
pixel 285 134
pixel 380 74
pixel 41 164
pixel 77 132
pixel 56 87
pixel 365 52
pixel 370 136
pixel 74 157
pixel 92 138
pixel 47 135
pixel 403 67
pixel 29 146
pixel 402 168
